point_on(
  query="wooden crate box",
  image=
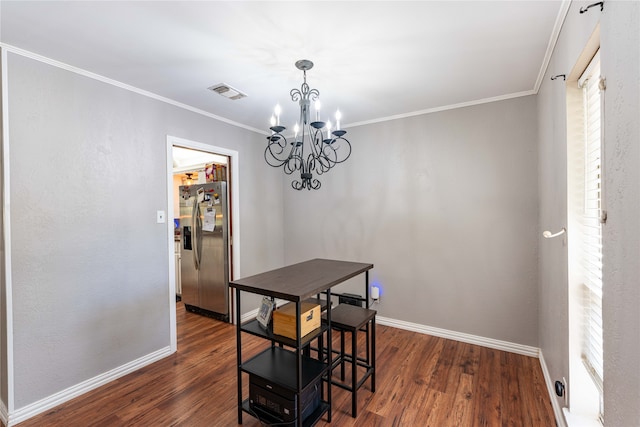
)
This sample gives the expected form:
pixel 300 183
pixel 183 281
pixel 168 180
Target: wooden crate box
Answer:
pixel 284 319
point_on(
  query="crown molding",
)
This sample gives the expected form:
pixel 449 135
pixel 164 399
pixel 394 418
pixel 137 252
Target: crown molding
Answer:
pixel 80 71
pixel 553 40
pixel 443 108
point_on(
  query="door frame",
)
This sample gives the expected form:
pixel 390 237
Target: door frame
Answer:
pixel 234 191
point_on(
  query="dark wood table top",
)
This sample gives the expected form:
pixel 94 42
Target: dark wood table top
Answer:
pixel 300 281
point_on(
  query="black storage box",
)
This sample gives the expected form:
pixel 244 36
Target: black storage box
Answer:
pixel 279 402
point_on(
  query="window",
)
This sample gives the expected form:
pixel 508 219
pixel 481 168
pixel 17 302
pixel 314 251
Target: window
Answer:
pixel 591 224
pixel 584 239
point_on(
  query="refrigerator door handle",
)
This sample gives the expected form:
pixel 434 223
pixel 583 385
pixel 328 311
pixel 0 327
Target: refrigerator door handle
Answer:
pixel 194 234
pixel 199 242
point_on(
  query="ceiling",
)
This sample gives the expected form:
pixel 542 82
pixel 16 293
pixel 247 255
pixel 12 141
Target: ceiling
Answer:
pixel 186 159
pixel 373 60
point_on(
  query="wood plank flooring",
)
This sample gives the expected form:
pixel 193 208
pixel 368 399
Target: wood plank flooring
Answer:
pixel 421 381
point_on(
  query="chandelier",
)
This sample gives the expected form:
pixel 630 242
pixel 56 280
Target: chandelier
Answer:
pixel 314 147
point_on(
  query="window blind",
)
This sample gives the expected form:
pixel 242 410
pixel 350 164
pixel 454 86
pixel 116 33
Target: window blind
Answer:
pixel 592 347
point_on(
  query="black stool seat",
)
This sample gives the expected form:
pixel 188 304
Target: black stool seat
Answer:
pixel 351 318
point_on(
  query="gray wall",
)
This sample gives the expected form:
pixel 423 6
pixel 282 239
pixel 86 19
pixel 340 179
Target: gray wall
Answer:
pixel 89 263
pixel 620 58
pixel 4 386
pixel 552 176
pixel 445 206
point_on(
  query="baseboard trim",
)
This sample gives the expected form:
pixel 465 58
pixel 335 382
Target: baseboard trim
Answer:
pixel 442 333
pixel 557 410
pixel 460 336
pixel 4 414
pixel 249 315
pixel 56 399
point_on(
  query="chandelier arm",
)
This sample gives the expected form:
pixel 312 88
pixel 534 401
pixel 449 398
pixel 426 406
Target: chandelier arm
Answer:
pixel 323 164
pixel 299 152
pixel 325 155
pixel 340 148
pixel 311 164
pixel 276 146
pixel 314 94
pixel 329 156
pixel 276 143
pixel 294 163
pixel 272 160
pixel 288 170
pixel 316 141
pixel 347 149
pixel 308 183
pixel 326 167
pixel 319 163
pixel 313 184
pixel 295 94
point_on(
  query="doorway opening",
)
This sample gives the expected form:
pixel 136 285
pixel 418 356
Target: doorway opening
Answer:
pixel 193 165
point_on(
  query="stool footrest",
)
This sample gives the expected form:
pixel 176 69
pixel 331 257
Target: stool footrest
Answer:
pixel 348 387
pixel 361 361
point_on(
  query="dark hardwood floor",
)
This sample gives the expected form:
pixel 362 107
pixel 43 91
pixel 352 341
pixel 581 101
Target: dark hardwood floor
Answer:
pixel 421 381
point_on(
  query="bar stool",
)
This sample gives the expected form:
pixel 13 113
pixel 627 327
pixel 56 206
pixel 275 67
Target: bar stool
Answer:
pixel 351 318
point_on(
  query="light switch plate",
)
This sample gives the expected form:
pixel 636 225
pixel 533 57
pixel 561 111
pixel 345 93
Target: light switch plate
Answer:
pixel 160 219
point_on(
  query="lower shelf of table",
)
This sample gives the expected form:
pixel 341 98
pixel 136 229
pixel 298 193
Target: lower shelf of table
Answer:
pixel 310 421
pixel 278 365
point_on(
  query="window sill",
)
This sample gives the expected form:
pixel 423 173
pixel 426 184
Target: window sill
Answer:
pixel 579 420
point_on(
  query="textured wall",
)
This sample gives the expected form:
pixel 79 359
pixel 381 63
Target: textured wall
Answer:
pixel 552 179
pixel 445 206
pixel 4 391
pixel 620 41
pixel 89 263
pixel 552 262
pixel 620 57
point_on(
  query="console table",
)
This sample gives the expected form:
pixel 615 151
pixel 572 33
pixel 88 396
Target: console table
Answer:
pixel 290 369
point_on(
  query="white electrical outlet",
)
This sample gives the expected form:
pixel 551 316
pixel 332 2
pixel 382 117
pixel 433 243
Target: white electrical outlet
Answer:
pixel 160 217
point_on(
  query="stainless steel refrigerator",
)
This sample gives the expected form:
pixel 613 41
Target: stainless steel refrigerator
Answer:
pixel 204 249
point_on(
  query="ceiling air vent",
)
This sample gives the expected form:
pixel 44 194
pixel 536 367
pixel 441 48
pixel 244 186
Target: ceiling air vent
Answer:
pixel 227 91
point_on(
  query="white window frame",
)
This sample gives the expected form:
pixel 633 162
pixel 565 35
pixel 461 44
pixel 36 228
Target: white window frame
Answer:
pixel 585 216
pixel 592 220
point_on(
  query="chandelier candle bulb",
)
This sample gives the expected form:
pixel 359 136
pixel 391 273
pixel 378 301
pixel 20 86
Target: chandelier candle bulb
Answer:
pixel 338 117
pixel 317 111
pixel 329 129
pixel 278 110
pixel 273 123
